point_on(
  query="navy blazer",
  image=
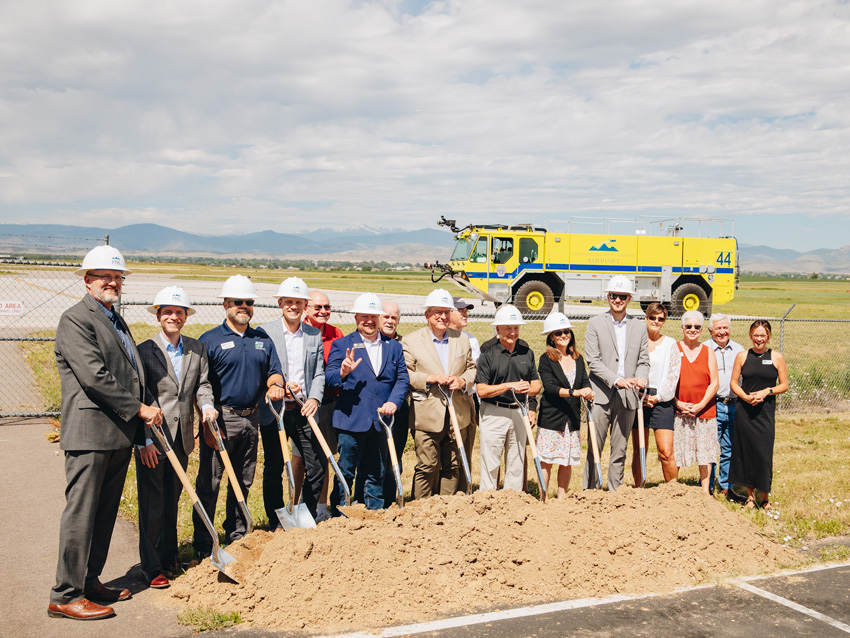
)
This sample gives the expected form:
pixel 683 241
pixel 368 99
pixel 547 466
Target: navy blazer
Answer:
pixel 363 392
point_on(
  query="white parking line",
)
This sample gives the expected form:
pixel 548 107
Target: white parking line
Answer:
pixel 792 605
pixel 477 619
pixel 523 612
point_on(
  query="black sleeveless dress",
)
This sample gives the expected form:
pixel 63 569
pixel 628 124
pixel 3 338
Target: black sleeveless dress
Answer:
pixel 753 435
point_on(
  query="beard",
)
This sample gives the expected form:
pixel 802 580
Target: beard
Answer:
pixel 106 297
pixel 239 318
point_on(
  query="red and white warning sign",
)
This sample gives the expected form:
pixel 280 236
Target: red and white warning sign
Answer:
pixel 11 308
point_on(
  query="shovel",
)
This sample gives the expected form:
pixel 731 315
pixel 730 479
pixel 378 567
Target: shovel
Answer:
pixel 523 406
pixel 317 432
pixel 388 428
pixel 641 437
pixel 219 558
pixel 591 426
pixel 464 462
pixel 234 484
pixel 292 515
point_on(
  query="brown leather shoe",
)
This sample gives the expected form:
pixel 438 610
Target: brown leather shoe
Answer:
pixel 158 582
pixel 99 591
pixel 81 609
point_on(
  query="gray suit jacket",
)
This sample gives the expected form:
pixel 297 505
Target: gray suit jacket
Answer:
pixel 101 391
pixel 177 400
pixel 600 351
pixel 314 362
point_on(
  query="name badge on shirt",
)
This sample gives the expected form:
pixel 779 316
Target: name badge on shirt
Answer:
pixel 358 345
pixel 227 345
pixel 258 345
pixel 767 362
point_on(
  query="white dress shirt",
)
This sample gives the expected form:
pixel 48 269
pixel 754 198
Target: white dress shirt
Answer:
pixel 294 342
pixel 373 349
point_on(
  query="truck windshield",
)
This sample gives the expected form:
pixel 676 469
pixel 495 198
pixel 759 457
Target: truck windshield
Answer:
pixel 462 250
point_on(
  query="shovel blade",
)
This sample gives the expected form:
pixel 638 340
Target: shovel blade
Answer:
pixel 543 486
pixel 599 474
pixel 642 467
pixel 299 517
pixel 221 560
pixel 464 464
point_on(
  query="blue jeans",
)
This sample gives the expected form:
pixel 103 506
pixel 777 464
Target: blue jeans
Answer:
pixel 354 448
pixel 725 423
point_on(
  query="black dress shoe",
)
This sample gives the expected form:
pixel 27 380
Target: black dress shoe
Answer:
pixel 98 591
pixel 81 609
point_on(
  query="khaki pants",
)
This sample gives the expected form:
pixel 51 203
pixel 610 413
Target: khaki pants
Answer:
pixel 502 430
pixel 437 463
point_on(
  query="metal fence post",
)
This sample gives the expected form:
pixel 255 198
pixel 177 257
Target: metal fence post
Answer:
pixel 782 328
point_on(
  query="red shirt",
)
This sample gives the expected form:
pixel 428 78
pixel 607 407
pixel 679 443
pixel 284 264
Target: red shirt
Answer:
pixel 329 335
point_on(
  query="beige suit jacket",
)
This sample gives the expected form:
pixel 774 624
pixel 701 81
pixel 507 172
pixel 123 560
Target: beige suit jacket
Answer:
pixel 428 405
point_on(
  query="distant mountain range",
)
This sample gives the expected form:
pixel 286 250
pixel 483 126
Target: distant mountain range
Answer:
pixel 359 243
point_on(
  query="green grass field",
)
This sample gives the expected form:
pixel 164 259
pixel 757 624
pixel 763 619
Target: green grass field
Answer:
pixel 756 296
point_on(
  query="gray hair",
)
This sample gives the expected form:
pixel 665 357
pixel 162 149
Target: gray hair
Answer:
pixel 718 316
pixel 692 316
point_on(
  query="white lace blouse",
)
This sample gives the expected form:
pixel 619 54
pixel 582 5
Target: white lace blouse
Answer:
pixel 664 366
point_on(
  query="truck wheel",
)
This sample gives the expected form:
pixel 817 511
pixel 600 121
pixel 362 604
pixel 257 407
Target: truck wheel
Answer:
pixel 690 297
pixel 534 297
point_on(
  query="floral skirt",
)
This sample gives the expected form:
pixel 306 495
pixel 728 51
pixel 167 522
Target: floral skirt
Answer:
pixel 559 448
pixel 695 441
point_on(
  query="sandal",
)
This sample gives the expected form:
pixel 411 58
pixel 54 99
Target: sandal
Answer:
pixel 749 504
pixel 765 505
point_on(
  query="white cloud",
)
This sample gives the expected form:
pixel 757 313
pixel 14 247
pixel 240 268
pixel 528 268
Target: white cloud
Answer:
pixel 333 112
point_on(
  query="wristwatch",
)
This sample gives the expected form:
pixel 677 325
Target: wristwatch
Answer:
pixel 770 390
pixel 571 393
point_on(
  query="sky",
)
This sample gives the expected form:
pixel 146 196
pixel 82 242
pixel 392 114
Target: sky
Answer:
pixel 226 116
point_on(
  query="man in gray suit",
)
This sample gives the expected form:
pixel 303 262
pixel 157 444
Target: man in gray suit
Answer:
pixel 301 353
pixel 177 375
pixel 104 409
pixel 617 351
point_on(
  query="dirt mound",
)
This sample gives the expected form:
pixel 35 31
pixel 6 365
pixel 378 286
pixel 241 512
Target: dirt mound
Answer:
pixel 448 555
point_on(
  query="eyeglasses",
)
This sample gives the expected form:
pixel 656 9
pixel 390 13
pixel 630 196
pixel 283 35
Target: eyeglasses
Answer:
pixel 320 307
pixel 689 326
pixel 658 319
pixel 241 302
pixel 561 333
pixel 614 295
pixel 108 278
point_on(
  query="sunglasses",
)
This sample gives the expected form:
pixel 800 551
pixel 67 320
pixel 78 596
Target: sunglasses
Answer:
pixel 614 295
pixel 695 326
pixel 561 333
pixel 320 307
pixel 240 302
pixel 658 319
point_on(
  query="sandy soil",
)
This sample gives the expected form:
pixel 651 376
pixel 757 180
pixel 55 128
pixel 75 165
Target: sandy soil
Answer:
pixel 462 554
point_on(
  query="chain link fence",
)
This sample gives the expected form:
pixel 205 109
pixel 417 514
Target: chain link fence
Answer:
pixel 34 295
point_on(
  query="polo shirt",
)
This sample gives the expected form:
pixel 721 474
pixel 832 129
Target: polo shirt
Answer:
pixel 498 365
pixel 240 365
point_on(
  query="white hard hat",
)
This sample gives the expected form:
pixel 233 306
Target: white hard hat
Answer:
pixel 171 296
pixel 238 287
pixel 508 315
pixel 367 304
pixel 555 321
pixel 620 283
pixel 294 288
pixel 439 298
pixel 103 258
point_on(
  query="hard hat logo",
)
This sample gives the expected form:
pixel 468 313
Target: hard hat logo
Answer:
pixel 171 296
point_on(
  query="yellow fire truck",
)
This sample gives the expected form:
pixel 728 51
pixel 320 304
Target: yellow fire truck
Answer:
pixel 534 268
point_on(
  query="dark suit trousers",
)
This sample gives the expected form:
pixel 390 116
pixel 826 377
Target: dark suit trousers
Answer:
pixel 95 481
pixel 159 494
pixel 298 430
pixel 241 445
pixel 401 430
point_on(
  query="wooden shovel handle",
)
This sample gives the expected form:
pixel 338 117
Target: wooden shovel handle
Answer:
pixel 591 426
pixel 284 447
pixel 237 489
pixel 319 436
pixel 181 474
